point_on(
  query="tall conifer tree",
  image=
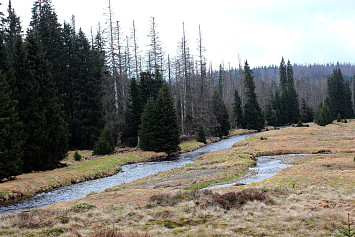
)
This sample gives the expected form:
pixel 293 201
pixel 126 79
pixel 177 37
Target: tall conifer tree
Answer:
pixel 221 116
pixel 252 113
pixel 237 110
pixel 159 130
pixel 349 111
pixel 133 114
pixel 10 130
pixel 336 92
pixel 292 97
pixel 47 134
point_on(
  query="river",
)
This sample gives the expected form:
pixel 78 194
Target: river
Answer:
pixel 129 173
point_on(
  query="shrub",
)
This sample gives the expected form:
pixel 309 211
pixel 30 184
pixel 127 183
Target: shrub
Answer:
pixel 339 118
pixel 208 198
pixel 105 144
pixel 77 156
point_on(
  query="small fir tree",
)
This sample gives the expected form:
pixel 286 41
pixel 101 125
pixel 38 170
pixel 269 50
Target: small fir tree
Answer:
pixel 77 156
pixel 105 143
pixel 323 115
pixel 338 118
pixel 201 135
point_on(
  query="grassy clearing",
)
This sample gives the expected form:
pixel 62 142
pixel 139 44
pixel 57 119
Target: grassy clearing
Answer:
pixel 311 198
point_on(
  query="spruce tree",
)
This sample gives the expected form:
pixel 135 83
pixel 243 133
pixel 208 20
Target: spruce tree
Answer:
pixel 85 108
pixel 307 113
pixel 253 116
pixel 284 106
pixel 133 114
pixel 323 115
pixel 150 84
pixel 237 110
pixel 10 134
pixel 349 111
pixel 292 97
pixel 336 92
pixel 270 115
pixel 148 128
pixel 220 112
pixel 46 130
pixel 159 130
pixel 201 135
pixel 105 144
pixel 169 128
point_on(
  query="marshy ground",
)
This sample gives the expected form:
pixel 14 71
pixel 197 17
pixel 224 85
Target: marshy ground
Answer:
pixel 310 198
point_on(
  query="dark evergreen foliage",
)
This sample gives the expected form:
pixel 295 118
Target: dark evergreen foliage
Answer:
pixel 338 118
pixel 220 113
pixel 253 116
pixel 105 143
pixel 85 109
pixel 338 96
pixel 148 128
pixel 46 130
pixel 270 116
pixel 159 130
pixel 77 156
pixel 284 107
pixel 238 111
pixel 323 115
pixel 307 114
pixel 10 134
pixel 292 97
pixel 150 85
pixel 349 111
pixel 133 114
pixel 201 135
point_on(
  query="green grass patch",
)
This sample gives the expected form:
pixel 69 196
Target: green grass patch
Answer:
pixel 190 146
pixel 206 184
pixel 81 207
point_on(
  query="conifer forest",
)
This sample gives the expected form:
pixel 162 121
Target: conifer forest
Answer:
pixel 62 89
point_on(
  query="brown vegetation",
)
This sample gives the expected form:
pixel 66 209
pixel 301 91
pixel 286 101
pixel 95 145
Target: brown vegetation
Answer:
pixel 311 198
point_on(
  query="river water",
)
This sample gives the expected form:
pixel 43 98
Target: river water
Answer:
pixel 129 173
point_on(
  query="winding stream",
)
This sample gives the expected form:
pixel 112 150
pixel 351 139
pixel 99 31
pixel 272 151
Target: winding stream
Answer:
pixel 129 173
pixel 266 167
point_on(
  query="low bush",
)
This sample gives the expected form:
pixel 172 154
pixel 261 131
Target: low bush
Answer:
pixel 77 156
pixel 208 198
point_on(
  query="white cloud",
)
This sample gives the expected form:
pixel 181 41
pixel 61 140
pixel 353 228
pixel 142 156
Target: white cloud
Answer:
pixel 304 31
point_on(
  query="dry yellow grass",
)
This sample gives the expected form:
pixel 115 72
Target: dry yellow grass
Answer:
pixel 310 198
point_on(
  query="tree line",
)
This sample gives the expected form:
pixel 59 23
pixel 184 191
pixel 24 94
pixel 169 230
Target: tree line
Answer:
pixel 61 90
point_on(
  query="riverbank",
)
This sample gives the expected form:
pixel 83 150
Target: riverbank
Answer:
pixel 89 168
pixel 310 198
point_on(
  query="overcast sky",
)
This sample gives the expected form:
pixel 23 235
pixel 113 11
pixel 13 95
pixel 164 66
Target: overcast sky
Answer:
pixel 261 31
